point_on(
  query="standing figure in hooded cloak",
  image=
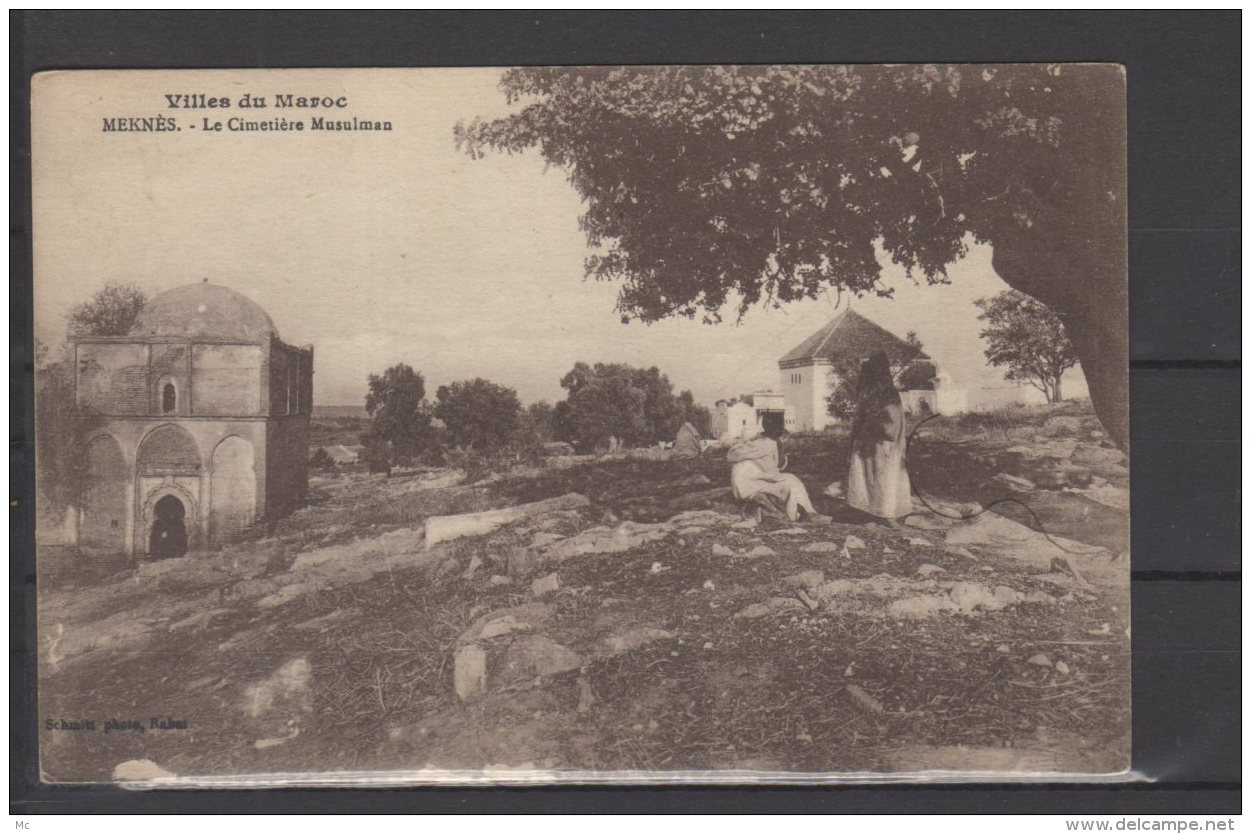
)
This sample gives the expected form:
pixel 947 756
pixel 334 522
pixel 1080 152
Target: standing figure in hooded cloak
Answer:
pixel 686 444
pixel 877 480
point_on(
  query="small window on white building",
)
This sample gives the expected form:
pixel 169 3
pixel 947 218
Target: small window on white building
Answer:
pixel 169 398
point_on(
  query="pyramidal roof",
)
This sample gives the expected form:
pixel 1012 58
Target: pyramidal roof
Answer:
pixel 847 335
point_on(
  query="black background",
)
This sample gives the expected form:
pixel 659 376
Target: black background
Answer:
pixel 1184 77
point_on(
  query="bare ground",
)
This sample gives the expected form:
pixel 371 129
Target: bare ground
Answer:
pixel 331 643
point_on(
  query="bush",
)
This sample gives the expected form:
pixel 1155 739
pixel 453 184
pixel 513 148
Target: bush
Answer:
pixel 377 455
pixel 320 459
pixel 478 413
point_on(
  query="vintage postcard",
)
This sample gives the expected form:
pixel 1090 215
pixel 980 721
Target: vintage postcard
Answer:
pixel 708 423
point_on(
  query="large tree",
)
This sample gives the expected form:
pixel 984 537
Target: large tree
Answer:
pixel 401 416
pixel 635 405
pixel 61 427
pixel 1028 339
pixel 111 312
pixel 705 185
pixel 478 414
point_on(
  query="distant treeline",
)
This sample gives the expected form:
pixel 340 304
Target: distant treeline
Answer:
pixel 340 411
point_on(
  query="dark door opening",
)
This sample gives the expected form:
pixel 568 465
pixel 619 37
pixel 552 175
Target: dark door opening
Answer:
pixel 169 529
pixel 773 423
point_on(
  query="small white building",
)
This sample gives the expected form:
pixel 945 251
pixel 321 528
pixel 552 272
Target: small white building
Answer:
pixel 730 421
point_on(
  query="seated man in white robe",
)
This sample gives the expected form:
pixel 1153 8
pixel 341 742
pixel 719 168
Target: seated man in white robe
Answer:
pixel 755 476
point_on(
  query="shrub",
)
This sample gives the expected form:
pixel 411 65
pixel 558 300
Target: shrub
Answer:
pixel 320 459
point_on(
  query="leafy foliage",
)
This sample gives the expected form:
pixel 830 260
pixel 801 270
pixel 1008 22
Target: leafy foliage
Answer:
pixel 706 186
pixel 401 415
pixel 478 414
pixel 538 421
pixel 377 454
pixel 635 405
pixel 111 312
pixel 321 459
pixel 775 182
pixel 1024 336
pixel 61 427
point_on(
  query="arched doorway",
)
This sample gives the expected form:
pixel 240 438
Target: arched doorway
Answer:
pixel 103 525
pixel 169 529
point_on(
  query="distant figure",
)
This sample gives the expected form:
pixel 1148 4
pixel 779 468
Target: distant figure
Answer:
pixel 755 477
pixel 686 444
pixel 877 482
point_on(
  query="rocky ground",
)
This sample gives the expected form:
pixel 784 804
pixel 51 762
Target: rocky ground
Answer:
pixel 618 614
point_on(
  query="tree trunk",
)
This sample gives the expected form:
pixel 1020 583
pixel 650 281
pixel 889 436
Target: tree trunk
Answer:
pixel 1088 291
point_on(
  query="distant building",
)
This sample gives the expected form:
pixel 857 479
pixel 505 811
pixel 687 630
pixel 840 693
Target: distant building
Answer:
pixel 808 369
pixel 206 416
pixel 759 411
pixel 808 376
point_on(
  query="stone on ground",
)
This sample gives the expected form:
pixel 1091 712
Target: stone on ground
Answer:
pixel 776 605
pixel 1014 482
pixel 539 655
pixel 469 672
pixel 545 585
pixel 970 596
pixel 626 536
pixel 634 638
pixel 542 539
pixel 920 607
pixel 805 579
pixel 820 547
pixel 442 528
pixel 504 621
pixel 284 692
pixel 1015 541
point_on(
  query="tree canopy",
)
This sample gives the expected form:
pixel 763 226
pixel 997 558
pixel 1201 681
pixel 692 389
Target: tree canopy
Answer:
pixel 708 186
pixel 61 427
pixel 111 312
pixel 635 405
pixel 478 414
pixel 1028 339
pixel 401 416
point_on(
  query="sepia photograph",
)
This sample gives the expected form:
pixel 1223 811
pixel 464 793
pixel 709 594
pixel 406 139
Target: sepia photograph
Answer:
pixel 709 424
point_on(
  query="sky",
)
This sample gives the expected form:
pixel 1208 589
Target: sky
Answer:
pixel 388 247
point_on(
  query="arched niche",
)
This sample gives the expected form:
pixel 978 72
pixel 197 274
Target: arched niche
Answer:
pixel 169 449
pixel 103 523
pixel 233 490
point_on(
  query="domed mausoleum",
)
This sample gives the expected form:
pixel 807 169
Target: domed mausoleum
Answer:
pixel 205 424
